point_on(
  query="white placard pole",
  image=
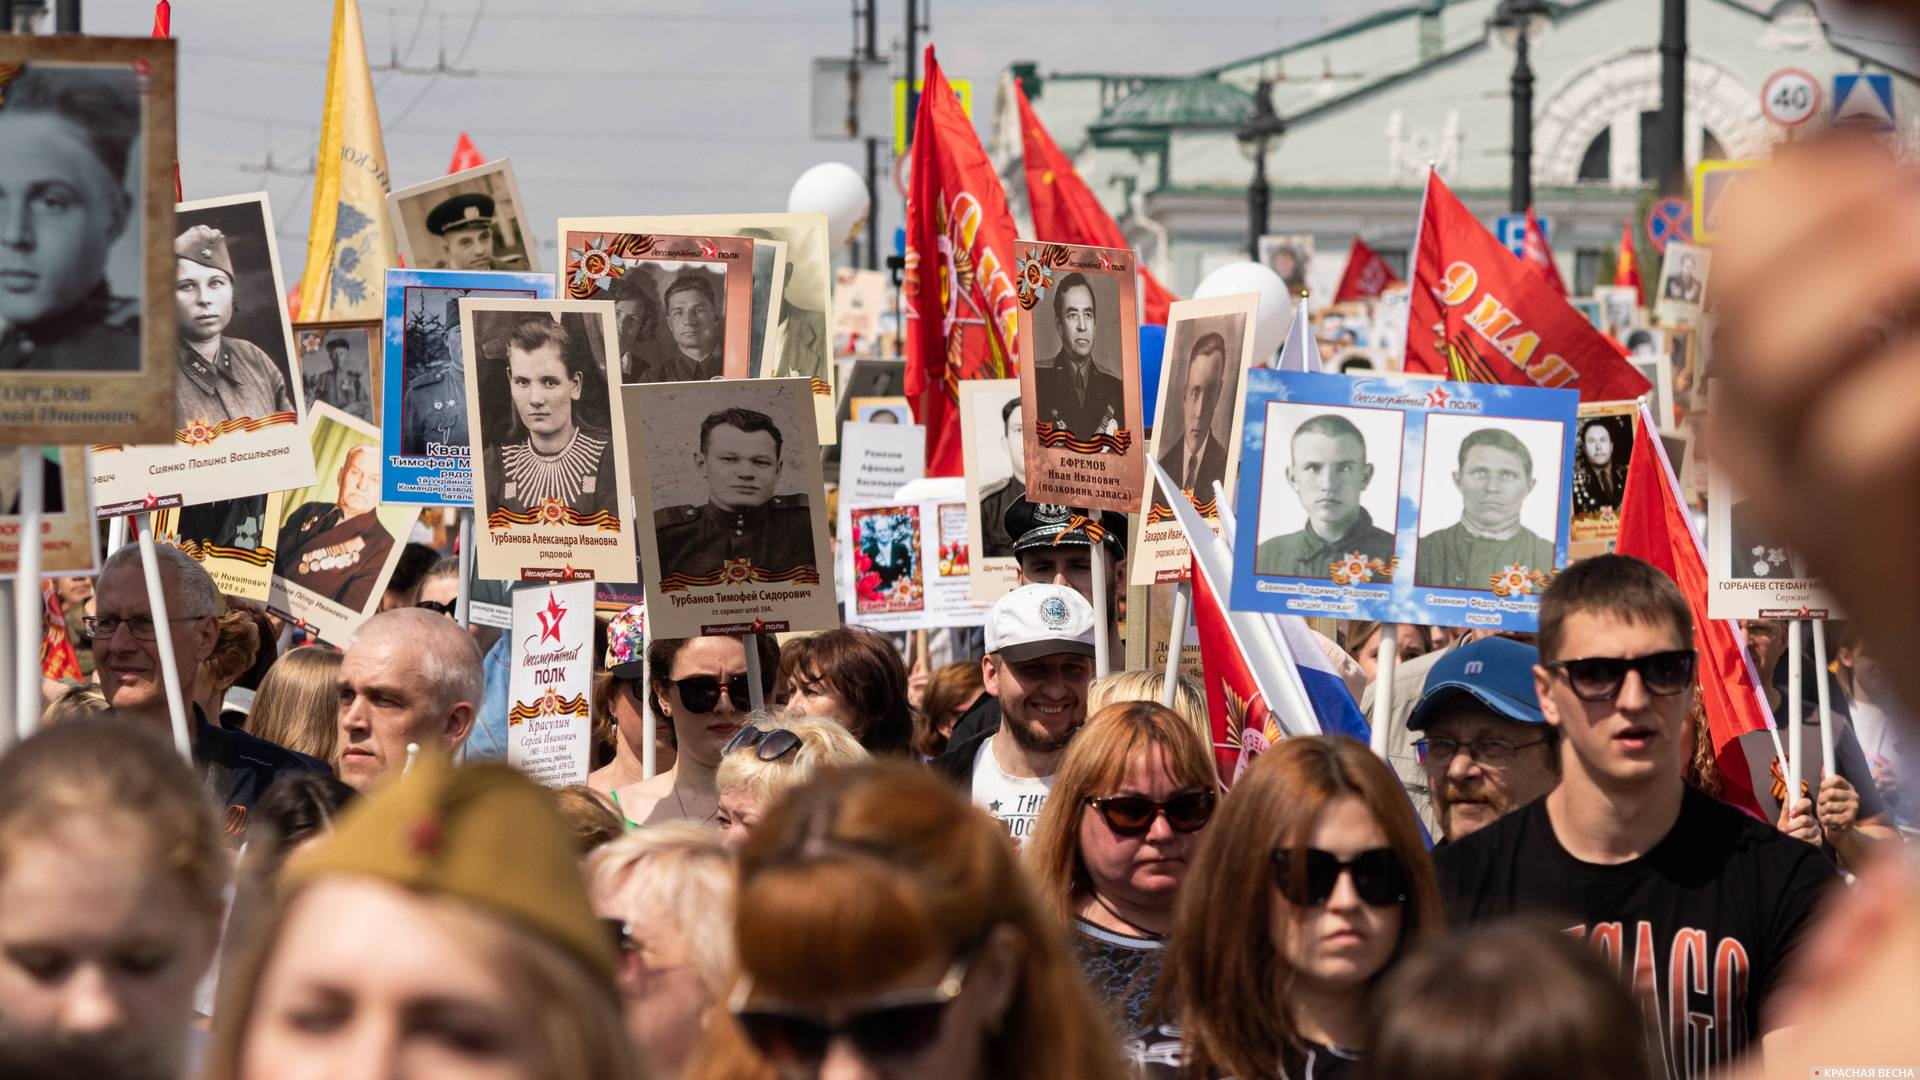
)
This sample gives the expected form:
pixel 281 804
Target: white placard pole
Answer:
pixel 756 695
pixel 463 603
pixel 29 608
pixel 1796 715
pixel 1101 659
pixel 116 533
pixel 1177 641
pixel 1386 659
pixel 643 705
pixel 1824 694
pixel 17 729
pixel 163 639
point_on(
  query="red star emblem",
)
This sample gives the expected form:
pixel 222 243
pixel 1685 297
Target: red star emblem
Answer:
pixel 709 249
pixel 1437 397
pixel 759 626
pixel 151 500
pixel 550 619
pixel 568 571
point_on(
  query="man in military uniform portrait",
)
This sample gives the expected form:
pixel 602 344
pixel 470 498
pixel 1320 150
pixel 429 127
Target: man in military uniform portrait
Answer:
pixel 1070 390
pixel 696 324
pixel 1495 475
pixel 1328 471
pixel 1196 460
pixel 1684 283
pixel 65 137
pixel 338 549
pixel 995 500
pixel 341 386
pixel 230 523
pixel 217 377
pixel 434 415
pixel 1758 552
pixel 802 330
pixel 740 461
pixel 465 226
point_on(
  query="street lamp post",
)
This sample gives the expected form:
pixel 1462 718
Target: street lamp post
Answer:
pixel 1258 136
pixel 1518 19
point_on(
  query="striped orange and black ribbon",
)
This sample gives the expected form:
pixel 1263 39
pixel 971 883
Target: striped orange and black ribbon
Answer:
pixel 524 711
pixel 503 519
pixel 201 552
pixel 237 424
pixel 797 575
pixel 1161 512
pixel 1057 437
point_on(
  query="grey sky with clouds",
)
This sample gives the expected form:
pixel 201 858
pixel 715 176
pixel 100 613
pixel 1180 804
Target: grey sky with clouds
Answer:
pixel 612 107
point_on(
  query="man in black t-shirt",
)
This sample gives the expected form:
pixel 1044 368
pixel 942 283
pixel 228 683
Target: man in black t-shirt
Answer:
pixel 1699 906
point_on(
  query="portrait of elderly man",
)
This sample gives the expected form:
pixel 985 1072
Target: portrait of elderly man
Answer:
pixel 1328 470
pixel 1196 460
pixel 1070 390
pixel 740 461
pixel 217 377
pixel 337 549
pixel 66 135
pixel 1495 476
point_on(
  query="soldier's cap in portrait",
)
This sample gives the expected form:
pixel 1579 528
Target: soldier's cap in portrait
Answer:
pixel 460 212
pixel 338 343
pixel 1039 525
pixel 205 245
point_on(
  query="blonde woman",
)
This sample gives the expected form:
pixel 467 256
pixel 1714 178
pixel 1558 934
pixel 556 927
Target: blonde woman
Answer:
pixel 1189 697
pixel 771 754
pixel 298 703
pixel 666 891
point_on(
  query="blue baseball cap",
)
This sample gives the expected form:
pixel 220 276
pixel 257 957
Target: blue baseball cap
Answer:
pixel 1497 671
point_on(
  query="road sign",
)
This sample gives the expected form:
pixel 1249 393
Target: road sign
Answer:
pixel 1511 231
pixel 1863 99
pixel 1711 182
pixel 1790 97
pixel 962 89
pixel 1670 219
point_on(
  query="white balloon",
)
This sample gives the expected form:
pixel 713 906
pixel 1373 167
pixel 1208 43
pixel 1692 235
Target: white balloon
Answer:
pixel 837 191
pixel 1276 306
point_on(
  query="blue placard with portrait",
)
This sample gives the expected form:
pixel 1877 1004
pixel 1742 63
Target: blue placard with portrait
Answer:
pixel 1401 499
pixel 424 435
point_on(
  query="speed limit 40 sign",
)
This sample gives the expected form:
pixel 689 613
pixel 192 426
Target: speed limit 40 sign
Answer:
pixel 1790 97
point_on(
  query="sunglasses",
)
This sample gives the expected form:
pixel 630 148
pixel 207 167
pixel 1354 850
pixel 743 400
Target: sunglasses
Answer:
pixel 1133 815
pixel 1664 674
pixel 442 607
pixel 700 693
pixel 892 1028
pixel 766 745
pixel 1308 876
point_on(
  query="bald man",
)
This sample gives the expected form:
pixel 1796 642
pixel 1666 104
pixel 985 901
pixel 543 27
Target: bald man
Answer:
pixel 410 676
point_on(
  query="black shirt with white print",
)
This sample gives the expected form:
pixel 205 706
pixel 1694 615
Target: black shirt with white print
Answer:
pixel 1158 1054
pixel 1700 927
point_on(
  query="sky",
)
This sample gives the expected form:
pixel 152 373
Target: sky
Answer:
pixel 625 106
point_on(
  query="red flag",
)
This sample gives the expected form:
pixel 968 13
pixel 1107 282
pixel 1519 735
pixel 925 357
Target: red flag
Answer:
pixel 1626 269
pixel 1064 209
pixel 163 28
pixel 1367 274
pixel 1654 526
pixel 959 285
pixel 1535 250
pixel 1476 315
pixel 1237 710
pixel 465 155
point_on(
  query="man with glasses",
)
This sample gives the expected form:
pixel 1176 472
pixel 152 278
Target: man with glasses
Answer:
pixel 1484 744
pixel 410 676
pixel 235 767
pixel 1699 905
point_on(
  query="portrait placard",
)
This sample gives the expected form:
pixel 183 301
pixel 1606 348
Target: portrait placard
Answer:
pixel 1209 349
pixel 860 298
pixel 993 452
pixel 909 566
pixel 769 291
pixel 1405 501
pixel 1291 256
pixel 1619 308
pixel 69 542
pixel 729 493
pixel 87 341
pixel 1080 375
pixel 1648 351
pixel 876 460
pixel 239 414
pixel 801 332
pixel 549 494
pixel 335 546
pixel 424 428
pixel 1601 452
pixel 1752 573
pixel 684 304
pixel 474 219
pixel 550 686
pixel 340 365
pixel 880 410
pixel 233 539
pixel 1682 294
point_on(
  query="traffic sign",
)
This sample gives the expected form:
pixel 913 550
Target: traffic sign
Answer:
pixel 1863 99
pixel 1790 97
pixel 962 89
pixel 1670 219
pixel 1711 182
pixel 1511 231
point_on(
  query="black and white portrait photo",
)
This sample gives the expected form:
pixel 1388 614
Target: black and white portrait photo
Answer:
pixel 236 524
pixel 997 471
pixel 1601 453
pixel 800 327
pixel 1490 499
pixel 1290 257
pixel 769 287
pixel 1330 488
pixel 1193 428
pixel 1683 283
pixel 1077 380
pixel 234 356
pixel 340 365
pixel 672 321
pixel 471 220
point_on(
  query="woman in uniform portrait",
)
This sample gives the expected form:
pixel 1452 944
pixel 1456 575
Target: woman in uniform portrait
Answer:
pixel 552 451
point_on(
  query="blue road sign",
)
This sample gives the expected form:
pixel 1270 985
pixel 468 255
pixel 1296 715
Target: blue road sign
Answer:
pixel 1511 231
pixel 1863 99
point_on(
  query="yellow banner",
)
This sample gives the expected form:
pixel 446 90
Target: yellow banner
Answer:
pixel 350 242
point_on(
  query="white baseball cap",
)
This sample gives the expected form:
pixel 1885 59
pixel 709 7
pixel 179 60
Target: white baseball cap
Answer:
pixel 1040 620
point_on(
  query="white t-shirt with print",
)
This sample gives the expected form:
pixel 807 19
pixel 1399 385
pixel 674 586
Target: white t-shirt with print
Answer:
pixel 1015 800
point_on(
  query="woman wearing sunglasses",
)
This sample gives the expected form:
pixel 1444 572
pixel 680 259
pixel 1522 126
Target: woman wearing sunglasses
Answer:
pixel 770 755
pixel 699 685
pixel 885 929
pixel 1133 797
pixel 1312 883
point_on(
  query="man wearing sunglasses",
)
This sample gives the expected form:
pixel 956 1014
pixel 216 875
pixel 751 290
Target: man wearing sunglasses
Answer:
pixel 1699 904
pixel 1486 748
pixel 1038 664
